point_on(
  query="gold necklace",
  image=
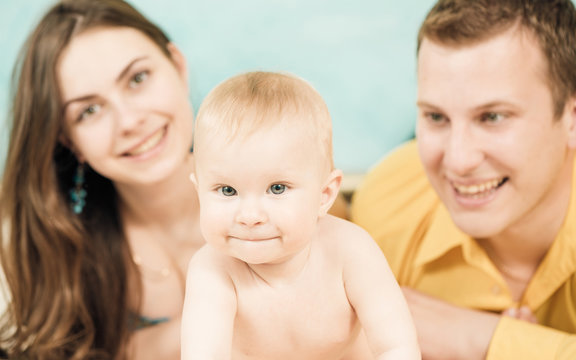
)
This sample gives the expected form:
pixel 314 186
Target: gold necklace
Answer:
pixel 154 274
pixel 163 273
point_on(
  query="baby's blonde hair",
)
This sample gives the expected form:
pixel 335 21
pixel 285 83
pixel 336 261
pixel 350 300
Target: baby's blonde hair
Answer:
pixel 253 101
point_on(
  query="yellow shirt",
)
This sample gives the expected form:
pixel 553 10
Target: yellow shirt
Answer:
pixel 398 207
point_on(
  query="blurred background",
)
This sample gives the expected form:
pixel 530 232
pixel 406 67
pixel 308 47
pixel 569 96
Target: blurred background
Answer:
pixel 360 55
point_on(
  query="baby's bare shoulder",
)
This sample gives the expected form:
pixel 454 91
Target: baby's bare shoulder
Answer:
pixel 342 231
pixel 344 236
pixel 210 259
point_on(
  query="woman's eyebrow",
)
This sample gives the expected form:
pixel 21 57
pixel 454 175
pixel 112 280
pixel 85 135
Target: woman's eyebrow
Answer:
pixel 119 78
pixel 127 68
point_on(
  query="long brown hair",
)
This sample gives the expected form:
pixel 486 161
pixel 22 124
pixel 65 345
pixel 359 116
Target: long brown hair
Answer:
pixel 551 22
pixel 67 274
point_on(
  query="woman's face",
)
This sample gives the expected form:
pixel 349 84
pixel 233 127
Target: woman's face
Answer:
pixel 126 106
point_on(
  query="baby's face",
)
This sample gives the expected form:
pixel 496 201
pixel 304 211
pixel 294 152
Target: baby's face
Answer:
pixel 260 194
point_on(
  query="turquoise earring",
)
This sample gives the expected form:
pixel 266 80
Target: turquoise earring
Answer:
pixel 78 193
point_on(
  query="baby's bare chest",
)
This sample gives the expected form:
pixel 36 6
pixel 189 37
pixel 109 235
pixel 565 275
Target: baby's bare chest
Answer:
pixel 311 320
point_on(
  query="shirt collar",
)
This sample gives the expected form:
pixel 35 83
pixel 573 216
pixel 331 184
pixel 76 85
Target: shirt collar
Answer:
pixel 441 237
pixel 558 265
pixel 560 261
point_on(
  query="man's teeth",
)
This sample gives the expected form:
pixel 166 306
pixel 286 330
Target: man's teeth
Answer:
pixel 148 144
pixel 478 188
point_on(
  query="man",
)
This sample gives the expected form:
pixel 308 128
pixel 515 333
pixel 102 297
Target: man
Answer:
pixel 478 217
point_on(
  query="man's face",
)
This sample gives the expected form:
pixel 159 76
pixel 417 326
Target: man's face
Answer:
pixel 487 136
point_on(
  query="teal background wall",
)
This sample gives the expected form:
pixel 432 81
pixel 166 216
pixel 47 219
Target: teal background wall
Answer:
pixel 360 55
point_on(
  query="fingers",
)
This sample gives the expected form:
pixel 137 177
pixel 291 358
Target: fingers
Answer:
pixel 522 313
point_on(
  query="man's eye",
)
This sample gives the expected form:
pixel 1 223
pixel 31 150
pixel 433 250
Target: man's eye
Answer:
pixel 492 117
pixel 277 188
pixel 228 191
pixel 138 78
pixel 435 117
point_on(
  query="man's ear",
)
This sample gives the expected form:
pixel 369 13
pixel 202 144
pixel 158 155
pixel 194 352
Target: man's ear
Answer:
pixel 571 115
pixel 330 191
pixel 179 61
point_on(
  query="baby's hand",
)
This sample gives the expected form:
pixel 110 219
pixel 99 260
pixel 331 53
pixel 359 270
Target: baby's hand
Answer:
pixel 522 313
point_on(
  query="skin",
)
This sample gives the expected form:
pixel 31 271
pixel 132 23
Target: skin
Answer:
pixel 128 116
pixel 127 111
pixel 254 211
pixel 500 163
pixel 278 277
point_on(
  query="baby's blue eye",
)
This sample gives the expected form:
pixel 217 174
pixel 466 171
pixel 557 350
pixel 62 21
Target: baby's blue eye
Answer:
pixel 277 189
pixel 228 191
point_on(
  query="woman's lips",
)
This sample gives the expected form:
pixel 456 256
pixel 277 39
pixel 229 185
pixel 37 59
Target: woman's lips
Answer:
pixel 147 145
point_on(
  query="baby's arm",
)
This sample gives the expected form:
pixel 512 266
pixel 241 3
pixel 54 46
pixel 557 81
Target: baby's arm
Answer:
pixel 377 299
pixel 209 309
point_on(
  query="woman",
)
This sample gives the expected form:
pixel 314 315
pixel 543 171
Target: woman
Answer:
pixel 99 216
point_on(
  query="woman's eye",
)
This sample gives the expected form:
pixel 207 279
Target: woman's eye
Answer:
pixel 277 188
pixel 138 78
pixel 89 111
pixel 227 191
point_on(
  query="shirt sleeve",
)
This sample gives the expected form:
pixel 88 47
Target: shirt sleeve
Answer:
pixel 516 339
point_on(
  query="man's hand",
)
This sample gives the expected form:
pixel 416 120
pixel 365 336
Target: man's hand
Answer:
pixel 449 332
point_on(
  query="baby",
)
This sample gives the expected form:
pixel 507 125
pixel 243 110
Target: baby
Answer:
pixel 279 278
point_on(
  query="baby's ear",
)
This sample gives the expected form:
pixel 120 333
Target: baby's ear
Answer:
pixel 330 191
